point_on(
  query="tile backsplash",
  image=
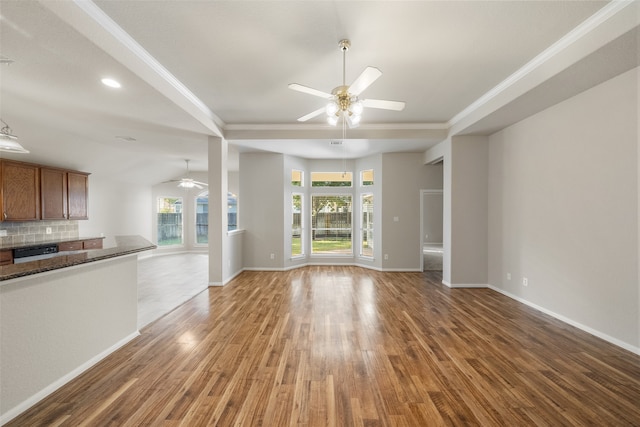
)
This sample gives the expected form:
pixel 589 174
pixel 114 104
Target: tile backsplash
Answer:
pixel 36 231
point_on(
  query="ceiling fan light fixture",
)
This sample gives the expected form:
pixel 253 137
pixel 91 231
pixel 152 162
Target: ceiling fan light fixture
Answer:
pixel 8 141
pixel 332 120
pixel 187 184
pixel 332 108
pixel 354 120
pixel 356 106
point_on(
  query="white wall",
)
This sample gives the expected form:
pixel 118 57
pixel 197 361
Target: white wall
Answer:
pixel 117 208
pixel 403 176
pixel 55 325
pixel 563 210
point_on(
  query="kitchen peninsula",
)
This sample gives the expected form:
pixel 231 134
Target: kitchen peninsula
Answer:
pixel 61 315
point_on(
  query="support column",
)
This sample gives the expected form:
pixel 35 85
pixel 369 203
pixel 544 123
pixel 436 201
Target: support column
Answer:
pixel 218 255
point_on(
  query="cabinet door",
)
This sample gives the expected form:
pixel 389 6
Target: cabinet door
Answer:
pixel 20 191
pixel 53 186
pixel 92 244
pixel 6 257
pixel 78 195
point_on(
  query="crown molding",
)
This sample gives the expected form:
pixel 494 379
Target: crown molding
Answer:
pixel 587 27
pixel 133 56
pixel 325 127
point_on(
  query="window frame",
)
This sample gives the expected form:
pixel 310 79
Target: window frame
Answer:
pixel 182 239
pixel 302 253
pixel 364 230
pixel 311 178
pixel 312 229
pixel 203 194
pixel 362 181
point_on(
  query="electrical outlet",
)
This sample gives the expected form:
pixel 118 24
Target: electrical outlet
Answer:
pixel 48 230
pixel 508 276
pixel 273 256
pixel 3 233
pixel 386 256
pixel 525 281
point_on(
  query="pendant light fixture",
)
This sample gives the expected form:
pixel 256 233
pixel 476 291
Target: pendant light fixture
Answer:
pixel 8 141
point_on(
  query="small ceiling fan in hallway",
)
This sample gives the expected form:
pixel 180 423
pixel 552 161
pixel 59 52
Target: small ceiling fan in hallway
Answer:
pixel 187 182
pixel 344 101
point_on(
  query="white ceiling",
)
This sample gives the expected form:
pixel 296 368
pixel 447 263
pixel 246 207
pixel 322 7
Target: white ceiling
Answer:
pixel 190 69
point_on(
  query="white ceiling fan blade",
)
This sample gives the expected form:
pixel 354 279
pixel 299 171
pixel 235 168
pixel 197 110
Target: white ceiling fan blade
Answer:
pixel 200 183
pixel 309 90
pixel 312 114
pixel 384 105
pixel 364 80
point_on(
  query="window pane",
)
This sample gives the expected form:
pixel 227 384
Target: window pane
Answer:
pixel 366 177
pixel 296 226
pixel 366 247
pixel 331 179
pixel 297 178
pixel 169 221
pixel 202 219
pixel 232 212
pixel 331 225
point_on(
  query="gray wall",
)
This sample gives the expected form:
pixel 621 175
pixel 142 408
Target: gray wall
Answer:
pixel 403 176
pixel 563 210
pixel 468 226
pixel 261 209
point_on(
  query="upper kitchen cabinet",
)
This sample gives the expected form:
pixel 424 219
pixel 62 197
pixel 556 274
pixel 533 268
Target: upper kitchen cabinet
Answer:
pixel 64 194
pixel 20 191
pixel 33 192
pixel 78 194
pixel 53 188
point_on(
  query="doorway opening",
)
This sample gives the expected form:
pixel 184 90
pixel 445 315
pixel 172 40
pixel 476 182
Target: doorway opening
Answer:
pixel 431 226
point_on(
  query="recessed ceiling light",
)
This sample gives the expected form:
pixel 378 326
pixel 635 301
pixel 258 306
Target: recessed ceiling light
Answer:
pixel 111 83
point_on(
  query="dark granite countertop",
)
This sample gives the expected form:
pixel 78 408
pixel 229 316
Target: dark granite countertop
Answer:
pixel 124 245
pixel 45 242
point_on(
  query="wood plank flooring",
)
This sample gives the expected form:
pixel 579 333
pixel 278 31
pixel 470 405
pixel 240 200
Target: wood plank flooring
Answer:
pixel 345 346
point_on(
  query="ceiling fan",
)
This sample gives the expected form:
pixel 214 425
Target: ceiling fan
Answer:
pixel 188 182
pixel 344 101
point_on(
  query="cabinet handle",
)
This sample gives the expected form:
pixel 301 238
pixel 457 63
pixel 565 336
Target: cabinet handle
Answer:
pixel 5 215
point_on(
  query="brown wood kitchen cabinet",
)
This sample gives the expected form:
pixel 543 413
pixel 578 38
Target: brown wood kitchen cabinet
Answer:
pixel 64 193
pixel 78 245
pixel 53 189
pixel 20 191
pixel 6 257
pixel 78 194
pixel 33 192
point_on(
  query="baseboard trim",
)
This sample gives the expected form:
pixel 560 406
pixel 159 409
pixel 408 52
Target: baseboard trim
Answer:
pixel 29 402
pixel 218 284
pixel 594 332
pixel 465 285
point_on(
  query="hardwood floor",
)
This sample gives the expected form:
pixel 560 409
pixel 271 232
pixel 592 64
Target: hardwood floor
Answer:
pixel 329 346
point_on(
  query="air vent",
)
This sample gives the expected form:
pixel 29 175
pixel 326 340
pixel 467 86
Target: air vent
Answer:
pixel 335 142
